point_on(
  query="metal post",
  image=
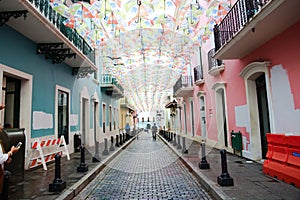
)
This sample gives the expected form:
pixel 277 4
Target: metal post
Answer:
pixel 117 141
pixel 57 184
pixel 112 148
pixel 178 142
pixel 96 157
pixel 224 179
pixel 121 139
pixel 184 150
pixel 105 151
pixel 82 166
pixel 203 164
pixel 174 143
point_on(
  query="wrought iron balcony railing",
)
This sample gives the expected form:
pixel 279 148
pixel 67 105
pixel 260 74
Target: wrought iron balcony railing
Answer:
pixel 198 73
pixel 239 15
pixel 213 63
pixel 57 20
pixel 109 79
pixel 183 82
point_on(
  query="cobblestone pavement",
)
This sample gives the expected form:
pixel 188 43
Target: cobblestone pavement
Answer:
pixel 146 169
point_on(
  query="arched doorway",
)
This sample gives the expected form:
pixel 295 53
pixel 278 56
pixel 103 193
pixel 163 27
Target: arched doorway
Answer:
pixel 257 88
pixel 221 114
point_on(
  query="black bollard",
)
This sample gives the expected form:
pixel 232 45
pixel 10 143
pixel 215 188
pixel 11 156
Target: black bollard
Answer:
pixel 117 141
pixel 112 148
pixel 121 139
pixel 5 188
pixel 178 142
pixel 57 184
pixel 174 142
pixel 82 166
pixel 105 151
pixel 184 150
pixel 203 163
pixel 171 139
pixel 224 179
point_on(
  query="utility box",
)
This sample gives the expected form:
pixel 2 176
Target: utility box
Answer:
pixel 236 141
pixel 11 137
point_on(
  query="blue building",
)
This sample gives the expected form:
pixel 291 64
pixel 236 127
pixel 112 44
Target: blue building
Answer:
pixel 52 83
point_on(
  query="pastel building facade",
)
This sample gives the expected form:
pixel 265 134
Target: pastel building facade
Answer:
pixel 245 79
pixel 52 80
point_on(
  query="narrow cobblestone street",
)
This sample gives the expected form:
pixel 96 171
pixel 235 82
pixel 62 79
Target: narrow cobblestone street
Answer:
pixel 146 169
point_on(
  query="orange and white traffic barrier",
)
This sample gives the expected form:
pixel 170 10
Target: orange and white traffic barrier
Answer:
pixel 45 151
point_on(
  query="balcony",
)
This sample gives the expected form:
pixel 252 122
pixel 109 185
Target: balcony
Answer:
pixel 111 87
pixel 250 24
pixel 215 66
pixel 45 27
pixel 198 75
pixel 124 103
pixel 183 87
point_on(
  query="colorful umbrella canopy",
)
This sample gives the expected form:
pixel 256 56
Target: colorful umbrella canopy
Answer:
pixel 153 40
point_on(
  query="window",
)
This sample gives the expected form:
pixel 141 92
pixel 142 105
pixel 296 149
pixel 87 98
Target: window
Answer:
pixel 63 114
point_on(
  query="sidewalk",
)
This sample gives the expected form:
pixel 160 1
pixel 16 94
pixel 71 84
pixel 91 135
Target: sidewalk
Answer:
pixel 36 181
pixel 249 180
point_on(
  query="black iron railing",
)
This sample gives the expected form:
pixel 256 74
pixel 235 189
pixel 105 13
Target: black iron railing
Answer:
pixel 110 126
pixel 183 82
pixel 235 20
pixel 103 127
pixel 198 73
pixel 212 63
pixel 109 79
pixel 57 20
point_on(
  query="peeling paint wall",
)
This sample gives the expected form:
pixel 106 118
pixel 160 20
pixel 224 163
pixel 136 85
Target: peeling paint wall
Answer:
pixel 286 117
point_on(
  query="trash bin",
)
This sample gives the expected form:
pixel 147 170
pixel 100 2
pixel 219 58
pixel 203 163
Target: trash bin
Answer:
pixel 236 141
pixel 77 142
pixel 11 137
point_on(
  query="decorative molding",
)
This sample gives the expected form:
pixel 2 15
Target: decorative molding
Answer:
pixel 216 70
pixel 254 66
pixel 55 52
pixel 201 93
pixel 199 82
pixel 4 16
pixel 218 85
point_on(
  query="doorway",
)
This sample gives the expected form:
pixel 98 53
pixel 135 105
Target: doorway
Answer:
pixel 263 111
pixel 11 91
pixel 85 120
pixel 257 86
pixel 185 120
pixel 192 116
pixel 202 117
pixel 221 114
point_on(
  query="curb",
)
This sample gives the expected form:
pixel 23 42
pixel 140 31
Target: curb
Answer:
pixel 75 189
pixel 209 185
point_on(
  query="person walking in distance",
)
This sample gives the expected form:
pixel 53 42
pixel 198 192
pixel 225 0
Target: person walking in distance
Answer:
pixel 154 130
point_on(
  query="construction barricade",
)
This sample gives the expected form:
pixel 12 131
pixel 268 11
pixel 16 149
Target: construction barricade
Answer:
pixel 44 151
pixel 283 158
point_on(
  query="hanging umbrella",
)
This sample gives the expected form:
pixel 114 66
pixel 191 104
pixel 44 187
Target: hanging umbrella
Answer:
pixel 60 8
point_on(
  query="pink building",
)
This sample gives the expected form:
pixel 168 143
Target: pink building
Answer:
pixel 245 78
